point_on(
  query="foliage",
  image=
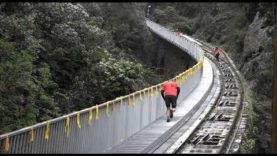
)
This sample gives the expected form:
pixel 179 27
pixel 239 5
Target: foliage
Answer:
pixel 23 87
pixel 248 144
pixel 56 58
pixel 244 31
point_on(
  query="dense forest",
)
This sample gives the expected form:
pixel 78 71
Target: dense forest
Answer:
pixel 244 31
pixel 56 58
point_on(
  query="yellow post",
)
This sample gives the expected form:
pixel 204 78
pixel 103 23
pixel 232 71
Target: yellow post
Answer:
pixel 97 112
pixel 6 144
pixel 90 117
pixel 67 124
pixel 134 100
pixel 31 134
pixel 46 135
pixel 78 120
pixel 107 109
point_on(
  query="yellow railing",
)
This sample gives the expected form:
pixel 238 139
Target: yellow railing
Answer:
pixel 94 110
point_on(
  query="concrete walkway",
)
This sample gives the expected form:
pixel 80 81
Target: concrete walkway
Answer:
pixel 142 140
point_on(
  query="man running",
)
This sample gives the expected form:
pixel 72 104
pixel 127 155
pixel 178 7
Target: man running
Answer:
pixel 217 53
pixel 170 92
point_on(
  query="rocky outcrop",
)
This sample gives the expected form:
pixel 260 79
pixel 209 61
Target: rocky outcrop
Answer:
pixel 256 58
pixel 247 39
pixel 256 65
pixel 244 31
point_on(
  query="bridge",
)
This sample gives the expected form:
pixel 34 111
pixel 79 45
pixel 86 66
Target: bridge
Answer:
pixel 209 116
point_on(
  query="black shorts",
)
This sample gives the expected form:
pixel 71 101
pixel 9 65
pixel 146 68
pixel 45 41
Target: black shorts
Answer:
pixel 216 56
pixel 170 99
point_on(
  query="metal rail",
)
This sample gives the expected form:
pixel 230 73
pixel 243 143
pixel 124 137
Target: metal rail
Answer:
pixel 99 128
pixel 216 134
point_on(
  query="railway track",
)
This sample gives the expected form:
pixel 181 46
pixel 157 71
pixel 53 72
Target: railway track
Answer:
pixel 217 119
pixel 221 128
pixel 218 132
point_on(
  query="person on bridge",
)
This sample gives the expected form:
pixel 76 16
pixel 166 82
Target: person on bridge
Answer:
pixel 170 92
pixel 178 33
pixel 217 53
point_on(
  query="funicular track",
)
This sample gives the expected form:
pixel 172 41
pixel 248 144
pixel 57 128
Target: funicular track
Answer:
pixel 215 130
pixel 216 133
pixel 218 130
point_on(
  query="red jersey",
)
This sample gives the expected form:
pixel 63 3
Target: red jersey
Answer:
pixel 170 88
pixel 217 51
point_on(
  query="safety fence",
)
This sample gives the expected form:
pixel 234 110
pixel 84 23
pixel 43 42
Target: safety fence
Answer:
pixel 186 44
pixel 98 128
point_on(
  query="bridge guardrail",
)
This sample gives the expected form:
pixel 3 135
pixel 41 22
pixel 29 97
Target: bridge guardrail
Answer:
pixel 98 128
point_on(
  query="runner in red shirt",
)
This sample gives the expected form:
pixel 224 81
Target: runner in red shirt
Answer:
pixel 217 53
pixel 170 92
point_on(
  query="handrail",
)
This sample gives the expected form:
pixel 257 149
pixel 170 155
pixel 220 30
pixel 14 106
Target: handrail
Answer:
pixel 145 96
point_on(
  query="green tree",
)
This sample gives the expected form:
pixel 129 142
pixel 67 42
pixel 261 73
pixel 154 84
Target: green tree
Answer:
pixel 21 92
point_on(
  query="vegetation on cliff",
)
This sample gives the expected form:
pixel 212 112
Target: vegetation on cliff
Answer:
pixel 244 31
pixel 56 58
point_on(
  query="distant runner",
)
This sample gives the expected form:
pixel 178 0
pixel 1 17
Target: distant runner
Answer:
pixel 178 33
pixel 217 53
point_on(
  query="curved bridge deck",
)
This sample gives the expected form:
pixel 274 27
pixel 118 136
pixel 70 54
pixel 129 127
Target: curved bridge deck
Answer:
pixel 122 126
pixel 155 138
